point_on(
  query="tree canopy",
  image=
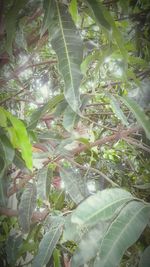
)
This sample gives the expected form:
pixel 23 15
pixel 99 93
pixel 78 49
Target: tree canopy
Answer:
pixel 75 133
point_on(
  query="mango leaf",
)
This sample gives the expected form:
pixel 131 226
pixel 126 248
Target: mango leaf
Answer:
pixel 3 118
pixel 69 119
pixel 122 233
pixel 73 185
pixel 72 232
pixel 86 62
pixel 27 206
pixel 44 176
pixel 12 247
pixel 68 47
pixel 89 245
pixel 7 149
pixel 3 183
pixel 143 186
pixel 23 142
pixel 97 10
pixel 145 258
pixel 117 110
pixel 139 114
pixel 115 33
pixel 10 22
pixel 73 9
pixel 47 246
pixel 101 206
pixel 47 5
pixel 49 106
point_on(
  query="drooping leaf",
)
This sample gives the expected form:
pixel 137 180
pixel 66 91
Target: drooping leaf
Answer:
pixel 7 149
pixel 47 5
pixel 117 110
pixel 73 10
pixel 23 142
pixel 27 206
pixel 145 258
pixel 12 247
pixel 89 245
pixel 97 10
pixel 44 176
pixel 122 233
pixel 10 22
pixel 71 232
pixel 101 206
pixel 139 114
pixel 86 62
pixel 68 47
pixel 3 183
pixel 49 106
pixel 72 185
pixel 47 246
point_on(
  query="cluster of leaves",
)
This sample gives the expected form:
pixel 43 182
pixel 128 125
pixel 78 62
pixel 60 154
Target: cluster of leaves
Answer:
pixel 74 133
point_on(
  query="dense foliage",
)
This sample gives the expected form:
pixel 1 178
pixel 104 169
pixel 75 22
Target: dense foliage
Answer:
pixel 74 133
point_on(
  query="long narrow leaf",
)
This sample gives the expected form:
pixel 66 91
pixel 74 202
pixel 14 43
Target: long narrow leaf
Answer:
pixel 122 233
pixel 27 206
pixel 100 207
pixel 139 114
pixel 68 47
pixel 47 246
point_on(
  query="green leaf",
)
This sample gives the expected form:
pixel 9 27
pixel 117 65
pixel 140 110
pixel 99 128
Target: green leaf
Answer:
pixel 122 233
pixel 44 176
pixel 23 141
pixel 47 246
pixel 72 232
pixel 27 206
pixel 89 245
pixel 12 247
pixel 143 186
pixel 47 5
pixel 10 22
pixel 145 258
pixel 97 10
pixel 101 206
pixel 7 149
pixel 68 47
pixel 73 9
pixel 139 114
pixel 57 258
pixel 117 110
pixel 73 184
pixel 69 119
pixel 3 118
pixel 88 60
pixel 3 183
pixel 49 106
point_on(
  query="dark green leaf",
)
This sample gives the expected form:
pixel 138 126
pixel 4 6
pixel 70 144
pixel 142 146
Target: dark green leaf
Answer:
pixel 96 7
pixel 145 258
pixel 69 119
pixel 68 47
pixel 12 247
pixel 139 114
pixel 3 183
pixel 47 246
pixel 7 149
pixel 117 110
pixel 27 206
pixel 10 21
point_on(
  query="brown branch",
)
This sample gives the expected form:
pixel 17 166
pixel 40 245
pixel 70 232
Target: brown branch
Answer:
pixel 106 139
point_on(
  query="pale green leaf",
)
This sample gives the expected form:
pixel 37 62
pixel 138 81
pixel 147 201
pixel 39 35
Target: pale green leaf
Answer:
pixel 100 206
pixel 68 46
pixel 139 114
pixel 122 233
pixel 117 110
pixel 89 245
pixel 3 118
pixel 47 246
pixel 69 119
pixel 143 186
pixel 145 258
pixel 27 206
pixel 73 185
pixel 44 176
